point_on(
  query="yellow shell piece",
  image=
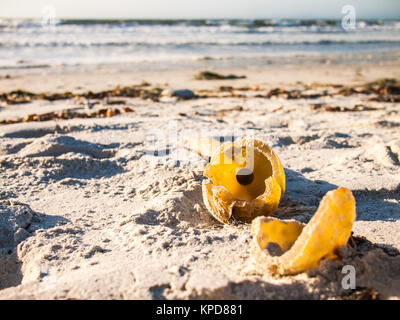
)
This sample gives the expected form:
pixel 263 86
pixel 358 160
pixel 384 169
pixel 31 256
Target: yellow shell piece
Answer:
pixel 288 247
pixel 246 180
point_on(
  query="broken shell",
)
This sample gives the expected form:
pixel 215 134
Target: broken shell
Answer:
pixel 289 247
pixel 246 180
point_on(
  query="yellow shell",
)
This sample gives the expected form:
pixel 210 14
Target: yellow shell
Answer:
pixel 246 180
pixel 289 247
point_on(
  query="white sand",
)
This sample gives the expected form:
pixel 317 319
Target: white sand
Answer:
pixel 107 220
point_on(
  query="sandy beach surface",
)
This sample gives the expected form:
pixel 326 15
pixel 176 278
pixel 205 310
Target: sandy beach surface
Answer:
pixel 89 210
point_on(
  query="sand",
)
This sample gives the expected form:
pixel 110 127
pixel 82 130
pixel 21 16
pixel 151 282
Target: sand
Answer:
pixel 89 211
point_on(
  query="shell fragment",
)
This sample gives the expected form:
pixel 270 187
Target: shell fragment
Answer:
pixel 288 247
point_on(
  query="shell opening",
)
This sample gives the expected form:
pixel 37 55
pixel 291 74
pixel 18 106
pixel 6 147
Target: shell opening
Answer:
pixel 244 176
pixel 244 180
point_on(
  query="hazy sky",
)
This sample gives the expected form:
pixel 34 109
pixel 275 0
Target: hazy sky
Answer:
pixel 201 9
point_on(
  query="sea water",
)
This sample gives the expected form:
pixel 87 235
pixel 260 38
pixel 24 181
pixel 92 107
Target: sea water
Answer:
pixel 171 43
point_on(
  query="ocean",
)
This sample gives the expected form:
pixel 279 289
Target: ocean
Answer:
pixel 171 43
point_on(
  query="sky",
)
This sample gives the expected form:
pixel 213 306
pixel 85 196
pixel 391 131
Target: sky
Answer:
pixel 190 9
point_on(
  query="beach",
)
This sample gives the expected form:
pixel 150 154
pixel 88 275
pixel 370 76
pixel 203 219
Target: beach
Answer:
pixel 110 204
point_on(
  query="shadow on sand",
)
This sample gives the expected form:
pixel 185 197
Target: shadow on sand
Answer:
pixel 10 265
pixel 303 194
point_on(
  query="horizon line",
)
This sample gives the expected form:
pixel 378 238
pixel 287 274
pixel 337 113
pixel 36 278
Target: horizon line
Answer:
pixel 193 19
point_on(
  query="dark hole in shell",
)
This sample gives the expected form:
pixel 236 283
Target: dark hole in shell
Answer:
pixel 244 176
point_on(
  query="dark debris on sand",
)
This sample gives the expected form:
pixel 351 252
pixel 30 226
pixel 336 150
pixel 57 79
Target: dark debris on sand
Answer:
pixel 385 90
pixel 294 94
pixel 208 75
pixel 356 108
pixel 68 114
pixel 135 91
pixel 382 90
